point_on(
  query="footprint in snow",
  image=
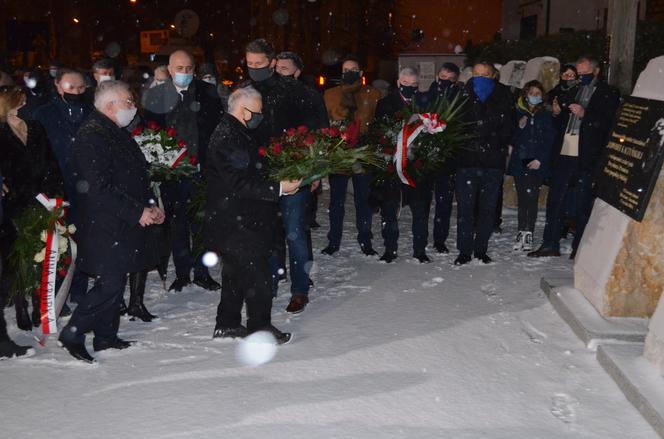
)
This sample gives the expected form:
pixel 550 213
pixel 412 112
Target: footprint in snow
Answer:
pixel 563 407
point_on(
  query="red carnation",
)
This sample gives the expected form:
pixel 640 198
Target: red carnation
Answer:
pixel 388 151
pixel 154 126
pixel 62 272
pixel 325 131
pixel 334 132
pixel 398 115
pixel 291 132
pixel 276 149
pixel 182 143
pixel 417 164
pixel 137 131
pixel 383 140
pixel 302 129
pixel 193 160
pixel 309 140
pixel 390 168
pixel 262 151
pixel 67 260
pixel 171 132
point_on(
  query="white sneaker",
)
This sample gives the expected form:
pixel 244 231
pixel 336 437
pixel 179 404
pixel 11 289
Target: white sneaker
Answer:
pixel 527 241
pixel 518 242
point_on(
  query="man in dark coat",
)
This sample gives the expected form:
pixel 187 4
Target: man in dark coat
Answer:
pixel 115 211
pixel 419 197
pixel 286 104
pixel 193 108
pixel 585 124
pixel 241 223
pixel 480 167
pixel 61 118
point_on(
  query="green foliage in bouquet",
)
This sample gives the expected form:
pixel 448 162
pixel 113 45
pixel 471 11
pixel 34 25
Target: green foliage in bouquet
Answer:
pixel 429 152
pixel 26 256
pixel 301 154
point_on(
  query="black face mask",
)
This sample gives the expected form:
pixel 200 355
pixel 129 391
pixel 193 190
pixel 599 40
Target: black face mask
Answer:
pixel 569 83
pixel 350 77
pixel 255 120
pixel 444 84
pixel 72 98
pixel 261 74
pixel 408 91
pixel 287 76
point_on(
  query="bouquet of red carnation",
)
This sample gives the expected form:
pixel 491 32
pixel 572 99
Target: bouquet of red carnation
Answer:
pixel 166 154
pixel 311 155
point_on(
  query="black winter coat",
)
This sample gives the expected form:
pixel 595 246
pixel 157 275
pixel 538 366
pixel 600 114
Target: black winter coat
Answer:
pixel 114 183
pixel 286 104
pixel 27 169
pixel 492 123
pixel 595 126
pixel 194 118
pixel 242 205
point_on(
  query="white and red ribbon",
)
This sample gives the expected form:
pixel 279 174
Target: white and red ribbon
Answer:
pixel 50 307
pixel 175 161
pixel 416 124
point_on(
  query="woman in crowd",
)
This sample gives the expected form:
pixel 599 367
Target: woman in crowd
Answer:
pixel 28 167
pixel 531 157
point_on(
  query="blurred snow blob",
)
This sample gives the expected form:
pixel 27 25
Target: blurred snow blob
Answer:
pixel 280 17
pixel 210 259
pixel 258 348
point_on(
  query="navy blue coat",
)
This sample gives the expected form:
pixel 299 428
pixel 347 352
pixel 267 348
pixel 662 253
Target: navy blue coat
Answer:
pixel 534 141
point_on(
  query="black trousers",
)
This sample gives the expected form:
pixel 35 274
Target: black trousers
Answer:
pixel 527 192
pixel 245 278
pixel 98 311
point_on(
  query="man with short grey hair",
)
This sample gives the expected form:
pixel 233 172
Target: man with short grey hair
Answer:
pixel 115 210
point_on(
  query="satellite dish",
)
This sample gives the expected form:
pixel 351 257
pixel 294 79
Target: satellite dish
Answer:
pixel 186 23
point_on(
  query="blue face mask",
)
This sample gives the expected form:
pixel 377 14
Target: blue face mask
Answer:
pixel 586 79
pixel 534 100
pixel 483 87
pixel 183 79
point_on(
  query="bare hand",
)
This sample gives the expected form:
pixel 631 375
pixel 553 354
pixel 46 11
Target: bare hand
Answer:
pixel 290 187
pixel 556 106
pixel 534 165
pixel 315 185
pixel 577 110
pixel 158 215
pixel 523 121
pixel 5 189
pixel 147 218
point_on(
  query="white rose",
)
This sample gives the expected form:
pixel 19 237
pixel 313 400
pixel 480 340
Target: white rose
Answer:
pixel 39 257
pixel 71 228
pixel 43 236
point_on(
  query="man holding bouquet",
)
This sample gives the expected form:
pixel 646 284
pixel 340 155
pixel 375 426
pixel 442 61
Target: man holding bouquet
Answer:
pixel 242 220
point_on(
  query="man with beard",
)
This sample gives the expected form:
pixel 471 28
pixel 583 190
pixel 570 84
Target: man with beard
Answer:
pixel 351 102
pixel 286 104
pixel 241 223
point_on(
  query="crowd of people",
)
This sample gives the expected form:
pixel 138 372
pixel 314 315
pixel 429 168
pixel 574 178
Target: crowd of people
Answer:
pixel 71 135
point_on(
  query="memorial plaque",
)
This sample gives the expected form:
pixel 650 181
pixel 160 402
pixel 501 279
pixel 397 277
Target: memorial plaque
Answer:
pixel 633 157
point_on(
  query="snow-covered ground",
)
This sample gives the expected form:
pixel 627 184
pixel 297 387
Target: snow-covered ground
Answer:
pixel 402 350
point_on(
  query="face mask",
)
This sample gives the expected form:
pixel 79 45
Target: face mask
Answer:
pixel 210 81
pixel 586 79
pixel 408 91
pixel 103 78
pixel 443 84
pixel 261 74
pixel 255 120
pixel 534 100
pixel 350 77
pixel 183 79
pixel 72 98
pixel 52 72
pixel 570 83
pixel 483 87
pixel 287 76
pixel 125 116
pixel 31 83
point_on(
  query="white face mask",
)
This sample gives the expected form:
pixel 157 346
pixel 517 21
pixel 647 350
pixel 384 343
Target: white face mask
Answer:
pixel 125 116
pixel 103 78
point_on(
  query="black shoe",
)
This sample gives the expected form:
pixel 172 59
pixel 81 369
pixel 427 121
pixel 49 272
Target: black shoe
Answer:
pixel 497 229
pixel 123 307
pixel 544 253
pixel 207 283
pixel 422 257
pixel 237 332
pixel 388 256
pixel 178 284
pixel 118 343
pixel 9 349
pixel 369 251
pixel 484 258
pixel 139 311
pixel 441 248
pixel 573 254
pixel 280 337
pixel 314 225
pixel 330 250
pixel 77 351
pixel 23 320
pixel 311 283
pixel 462 259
